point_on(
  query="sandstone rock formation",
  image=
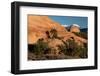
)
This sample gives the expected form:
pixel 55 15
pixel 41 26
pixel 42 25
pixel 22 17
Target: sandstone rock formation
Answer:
pixel 38 25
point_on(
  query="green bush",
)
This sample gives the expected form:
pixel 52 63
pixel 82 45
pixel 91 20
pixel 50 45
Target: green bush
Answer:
pixel 81 34
pixel 40 47
pixel 71 48
pixel 62 48
pixel 81 52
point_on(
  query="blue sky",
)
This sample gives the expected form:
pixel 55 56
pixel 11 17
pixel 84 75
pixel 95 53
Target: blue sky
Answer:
pixel 69 20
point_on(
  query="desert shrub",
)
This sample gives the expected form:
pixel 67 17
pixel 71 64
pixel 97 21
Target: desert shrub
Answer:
pixel 71 48
pixel 84 53
pixel 81 34
pixel 62 48
pixel 53 51
pixel 40 47
pixel 47 50
pixel 81 52
pixel 30 47
pixel 48 34
pixel 53 33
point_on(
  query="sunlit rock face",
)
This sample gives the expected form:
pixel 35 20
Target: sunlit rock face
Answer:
pixel 75 28
pixel 38 25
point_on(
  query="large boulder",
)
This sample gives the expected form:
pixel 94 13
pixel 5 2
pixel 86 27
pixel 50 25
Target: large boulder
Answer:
pixel 75 28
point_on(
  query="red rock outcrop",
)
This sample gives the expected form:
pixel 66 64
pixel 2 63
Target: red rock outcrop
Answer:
pixel 38 25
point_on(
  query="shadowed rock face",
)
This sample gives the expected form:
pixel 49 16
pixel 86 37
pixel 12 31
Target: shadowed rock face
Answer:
pixel 38 25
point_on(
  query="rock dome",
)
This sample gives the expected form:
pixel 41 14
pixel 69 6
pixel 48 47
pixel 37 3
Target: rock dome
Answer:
pixel 75 28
